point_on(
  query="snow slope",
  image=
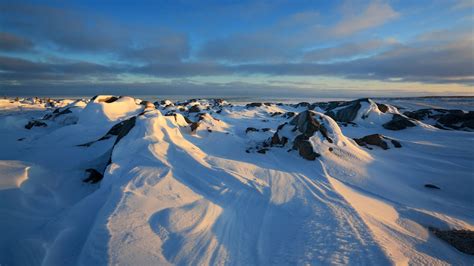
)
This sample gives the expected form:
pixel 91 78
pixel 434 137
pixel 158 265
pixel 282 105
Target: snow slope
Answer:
pixel 174 194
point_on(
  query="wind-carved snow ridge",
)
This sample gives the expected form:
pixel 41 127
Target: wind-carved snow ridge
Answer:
pixel 208 182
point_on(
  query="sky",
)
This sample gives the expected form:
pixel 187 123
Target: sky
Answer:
pixel 267 48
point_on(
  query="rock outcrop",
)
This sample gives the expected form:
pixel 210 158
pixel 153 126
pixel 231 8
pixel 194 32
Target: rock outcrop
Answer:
pixel 35 123
pixel 444 119
pixel 462 240
pixel 377 140
pixel 398 122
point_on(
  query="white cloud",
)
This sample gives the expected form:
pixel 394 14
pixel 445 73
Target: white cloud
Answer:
pixel 375 14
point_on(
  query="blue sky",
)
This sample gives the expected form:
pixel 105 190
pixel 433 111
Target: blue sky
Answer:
pixel 371 48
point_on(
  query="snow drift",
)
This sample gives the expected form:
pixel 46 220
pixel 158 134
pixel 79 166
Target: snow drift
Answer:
pixel 207 182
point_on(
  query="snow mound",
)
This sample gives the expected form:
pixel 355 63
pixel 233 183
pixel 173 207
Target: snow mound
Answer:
pixel 106 109
pixel 206 122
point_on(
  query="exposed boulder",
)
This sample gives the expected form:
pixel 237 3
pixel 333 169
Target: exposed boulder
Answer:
pixel 277 141
pixel 445 119
pixel 376 140
pixel 310 132
pixel 61 116
pixel 304 147
pixel 94 176
pixel 120 130
pixel 306 124
pixel 148 105
pixel 194 126
pixel 179 118
pixel 431 186
pixel 289 114
pixel 275 114
pixel 301 104
pixel 251 129
pixel 253 105
pixel 194 109
pixel 105 98
pixel 382 107
pixel 398 122
pixel 345 112
pixel 35 123
pixel 396 143
pixel 462 240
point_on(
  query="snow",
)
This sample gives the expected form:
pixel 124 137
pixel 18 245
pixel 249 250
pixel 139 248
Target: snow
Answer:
pixel 173 196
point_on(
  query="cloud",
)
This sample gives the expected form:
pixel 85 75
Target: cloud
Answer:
pixel 61 27
pixel 279 49
pixel 10 43
pixel 287 38
pixel 375 14
pixel 247 48
pixel 166 47
pixel 348 50
pixel 67 31
pixel 446 60
pixel 463 4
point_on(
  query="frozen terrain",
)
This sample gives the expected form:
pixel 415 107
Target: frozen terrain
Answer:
pixel 118 180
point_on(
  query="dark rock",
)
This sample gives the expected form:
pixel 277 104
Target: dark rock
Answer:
pixel 396 143
pixel 109 100
pixel 194 109
pixel 187 120
pixel 324 132
pixel 56 113
pixel 35 123
pixel 302 104
pixel 266 129
pixel 120 130
pixel 419 114
pixel 147 104
pixel 431 186
pixel 289 114
pixel 277 141
pixel 218 102
pixel 468 124
pixel 251 129
pixel 21 139
pixel 282 125
pixel 94 176
pixel 382 107
pixel 305 123
pixel 346 113
pixel 445 119
pixel 194 126
pixel 374 139
pixel 304 147
pixel 253 105
pixel 462 240
pixel 275 114
pixel 262 151
pixel 398 122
